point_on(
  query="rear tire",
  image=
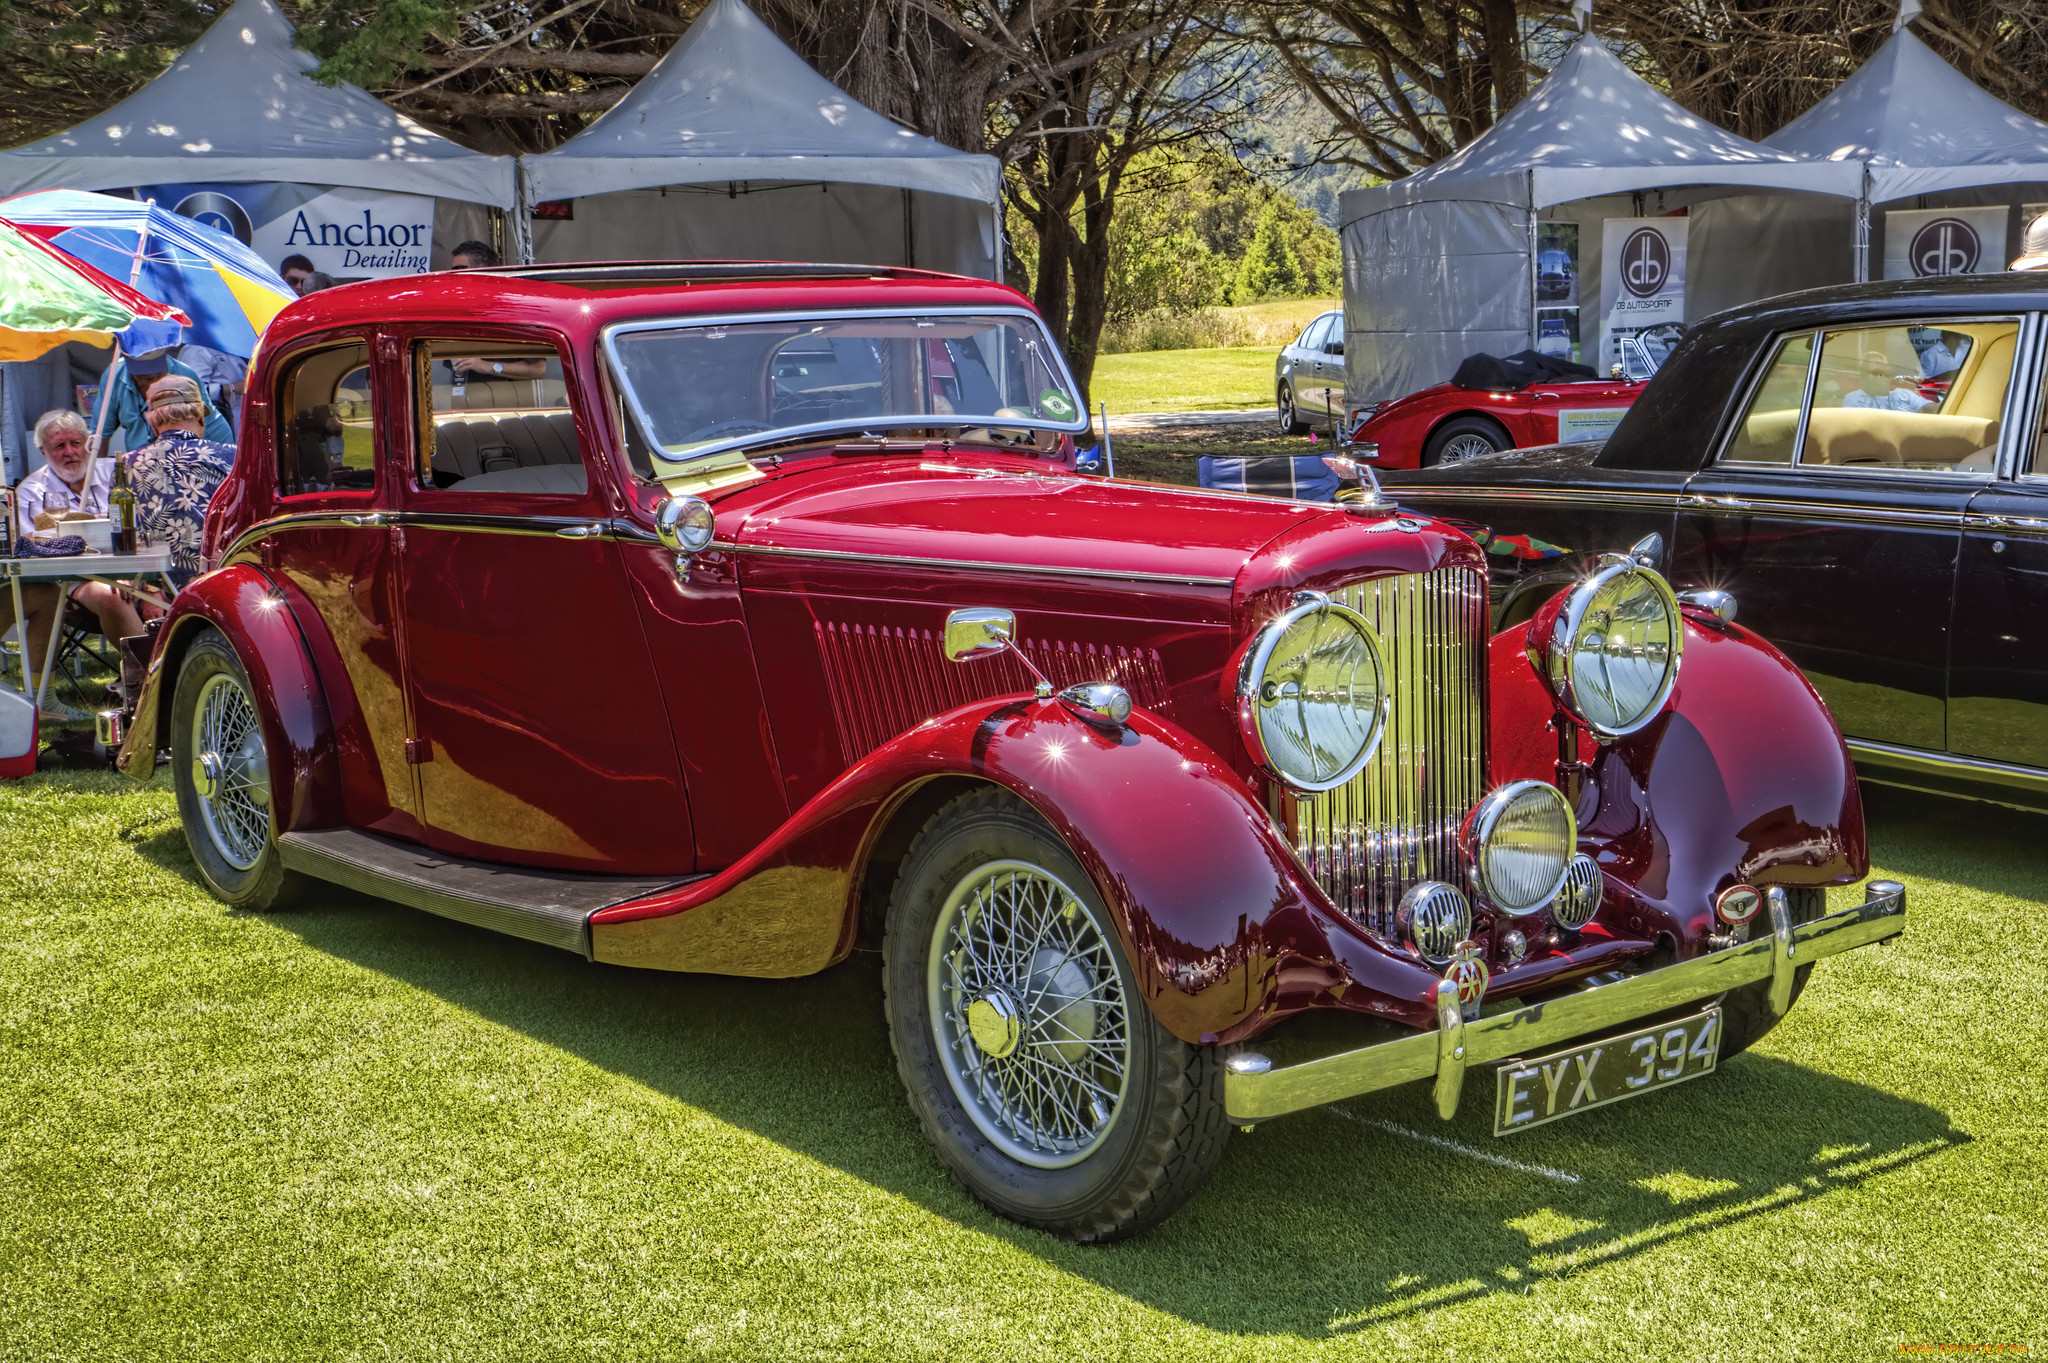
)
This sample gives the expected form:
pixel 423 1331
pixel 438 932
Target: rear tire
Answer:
pixel 1036 1070
pixel 1290 415
pixel 221 768
pixel 1745 1012
pixel 1462 438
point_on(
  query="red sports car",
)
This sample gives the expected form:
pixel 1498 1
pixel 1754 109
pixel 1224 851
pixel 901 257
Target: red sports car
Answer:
pixel 1444 424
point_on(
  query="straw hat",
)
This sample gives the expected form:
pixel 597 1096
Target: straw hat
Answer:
pixel 2034 246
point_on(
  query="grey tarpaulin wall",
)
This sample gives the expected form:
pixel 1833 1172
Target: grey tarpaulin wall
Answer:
pixel 734 147
pixel 1931 137
pixel 1441 265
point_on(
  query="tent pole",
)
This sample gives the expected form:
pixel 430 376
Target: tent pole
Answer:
pixel 1529 260
pixel 1861 250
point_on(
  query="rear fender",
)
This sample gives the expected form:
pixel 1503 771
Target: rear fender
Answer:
pixel 1223 929
pixel 1743 779
pixel 246 607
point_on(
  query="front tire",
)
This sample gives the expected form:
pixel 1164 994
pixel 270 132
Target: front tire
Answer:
pixel 222 771
pixel 1290 415
pixel 1462 438
pixel 1038 1074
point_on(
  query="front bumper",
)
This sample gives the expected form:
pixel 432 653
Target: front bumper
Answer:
pixel 1253 1090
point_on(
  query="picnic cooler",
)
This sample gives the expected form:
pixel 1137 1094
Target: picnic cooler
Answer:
pixel 17 734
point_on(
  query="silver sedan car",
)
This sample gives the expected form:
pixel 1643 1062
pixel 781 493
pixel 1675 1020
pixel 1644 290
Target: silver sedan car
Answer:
pixel 1308 378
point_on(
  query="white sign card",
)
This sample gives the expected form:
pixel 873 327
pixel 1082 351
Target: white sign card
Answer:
pixel 1642 279
pixel 1940 241
pixel 353 233
pixel 1587 423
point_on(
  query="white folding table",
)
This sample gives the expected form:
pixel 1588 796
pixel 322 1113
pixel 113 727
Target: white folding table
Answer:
pixel 149 561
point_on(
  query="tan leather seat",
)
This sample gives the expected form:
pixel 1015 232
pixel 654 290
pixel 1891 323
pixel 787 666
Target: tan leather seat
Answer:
pixel 1877 435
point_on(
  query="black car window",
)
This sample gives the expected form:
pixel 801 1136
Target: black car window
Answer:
pixel 1914 397
pixel 1769 425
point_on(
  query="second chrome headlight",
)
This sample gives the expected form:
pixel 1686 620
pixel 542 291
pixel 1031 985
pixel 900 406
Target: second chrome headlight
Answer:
pixel 1520 840
pixel 1312 697
pixel 1612 650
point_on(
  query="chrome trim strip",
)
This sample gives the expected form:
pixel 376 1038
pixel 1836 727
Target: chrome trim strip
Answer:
pixel 1922 762
pixel 1832 512
pixel 975 565
pixel 335 520
pixel 1254 1097
pixel 476 522
pixel 1400 492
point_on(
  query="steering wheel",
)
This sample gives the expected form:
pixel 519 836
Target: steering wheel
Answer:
pixel 718 428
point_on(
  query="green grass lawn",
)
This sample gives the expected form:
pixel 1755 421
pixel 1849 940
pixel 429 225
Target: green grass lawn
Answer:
pixel 1184 380
pixel 354 1131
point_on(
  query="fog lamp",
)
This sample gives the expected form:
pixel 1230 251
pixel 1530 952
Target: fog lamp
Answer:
pixel 1520 841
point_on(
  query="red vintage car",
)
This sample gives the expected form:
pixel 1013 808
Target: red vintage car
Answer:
pixel 721 617
pixel 1444 424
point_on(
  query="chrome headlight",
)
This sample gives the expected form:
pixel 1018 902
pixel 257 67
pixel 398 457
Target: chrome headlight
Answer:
pixel 1520 841
pixel 1611 652
pixel 1312 697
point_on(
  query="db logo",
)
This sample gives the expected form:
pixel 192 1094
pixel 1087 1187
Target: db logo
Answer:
pixel 1645 262
pixel 1944 246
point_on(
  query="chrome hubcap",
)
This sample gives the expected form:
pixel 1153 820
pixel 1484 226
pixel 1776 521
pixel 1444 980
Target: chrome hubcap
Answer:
pixel 231 772
pixel 1030 1010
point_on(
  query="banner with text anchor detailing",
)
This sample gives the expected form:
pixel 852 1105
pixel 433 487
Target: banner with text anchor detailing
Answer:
pixel 1642 280
pixel 349 234
pixel 1936 241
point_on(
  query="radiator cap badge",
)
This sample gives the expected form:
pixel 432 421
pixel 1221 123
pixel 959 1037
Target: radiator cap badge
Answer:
pixel 1468 971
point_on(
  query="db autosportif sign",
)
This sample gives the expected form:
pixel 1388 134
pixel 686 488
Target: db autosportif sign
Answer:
pixel 1921 242
pixel 346 233
pixel 1642 278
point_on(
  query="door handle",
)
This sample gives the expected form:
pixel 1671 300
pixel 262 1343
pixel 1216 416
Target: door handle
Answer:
pixel 580 532
pixel 374 518
pixel 1722 503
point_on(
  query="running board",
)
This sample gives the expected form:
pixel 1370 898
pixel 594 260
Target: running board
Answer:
pixel 550 907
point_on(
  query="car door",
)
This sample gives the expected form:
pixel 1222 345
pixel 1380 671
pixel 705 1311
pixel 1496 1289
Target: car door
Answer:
pixel 1998 650
pixel 539 732
pixel 1331 359
pixel 1307 362
pixel 1834 511
pixel 328 543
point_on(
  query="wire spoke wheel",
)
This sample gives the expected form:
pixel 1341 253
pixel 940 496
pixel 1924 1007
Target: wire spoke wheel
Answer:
pixel 1466 447
pixel 231 771
pixel 1031 1012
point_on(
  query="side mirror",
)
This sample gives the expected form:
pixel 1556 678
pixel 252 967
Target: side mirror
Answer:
pixel 979 632
pixel 1334 348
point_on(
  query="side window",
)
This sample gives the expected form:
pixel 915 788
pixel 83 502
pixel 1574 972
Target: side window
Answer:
pixel 1332 339
pixel 326 428
pixel 1923 397
pixel 495 417
pixel 1771 423
pixel 1317 332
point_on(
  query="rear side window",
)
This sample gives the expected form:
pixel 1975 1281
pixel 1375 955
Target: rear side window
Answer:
pixel 327 427
pixel 1317 332
pixel 1768 428
pixel 1921 397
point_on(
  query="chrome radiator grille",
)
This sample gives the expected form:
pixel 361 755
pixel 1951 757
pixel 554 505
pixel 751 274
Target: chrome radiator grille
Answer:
pixel 1397 821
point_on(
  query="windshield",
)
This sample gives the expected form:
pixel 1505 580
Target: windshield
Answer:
pixel 697 389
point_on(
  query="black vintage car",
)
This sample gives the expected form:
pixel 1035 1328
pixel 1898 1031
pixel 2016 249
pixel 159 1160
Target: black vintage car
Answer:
pixel 1862 470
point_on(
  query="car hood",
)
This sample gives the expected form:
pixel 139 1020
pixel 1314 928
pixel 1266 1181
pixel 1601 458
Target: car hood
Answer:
pixel 1011 513
pixel 1500 465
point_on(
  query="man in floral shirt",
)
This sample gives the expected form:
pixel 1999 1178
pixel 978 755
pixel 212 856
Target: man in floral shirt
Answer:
pixel 175 475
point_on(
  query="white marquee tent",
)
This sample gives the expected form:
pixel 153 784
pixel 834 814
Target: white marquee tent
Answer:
pixel 237 107
pixel 733 146
pixel 1927 133
pixel 1442 264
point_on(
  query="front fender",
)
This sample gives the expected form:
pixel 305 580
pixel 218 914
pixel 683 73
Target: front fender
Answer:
pixel 1224 931
pixel 1744 779
pixel 245 606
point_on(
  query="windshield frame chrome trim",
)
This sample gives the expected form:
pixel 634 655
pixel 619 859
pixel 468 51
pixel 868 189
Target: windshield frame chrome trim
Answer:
pixel 608 344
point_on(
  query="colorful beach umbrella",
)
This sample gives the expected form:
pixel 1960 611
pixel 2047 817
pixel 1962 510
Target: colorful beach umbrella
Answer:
pixel 224 287
pixel 48 298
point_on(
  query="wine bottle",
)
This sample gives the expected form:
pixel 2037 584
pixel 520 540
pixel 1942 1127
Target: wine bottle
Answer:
pixel 121 509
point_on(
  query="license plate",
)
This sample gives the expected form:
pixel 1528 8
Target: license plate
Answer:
pixel 1532 1092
